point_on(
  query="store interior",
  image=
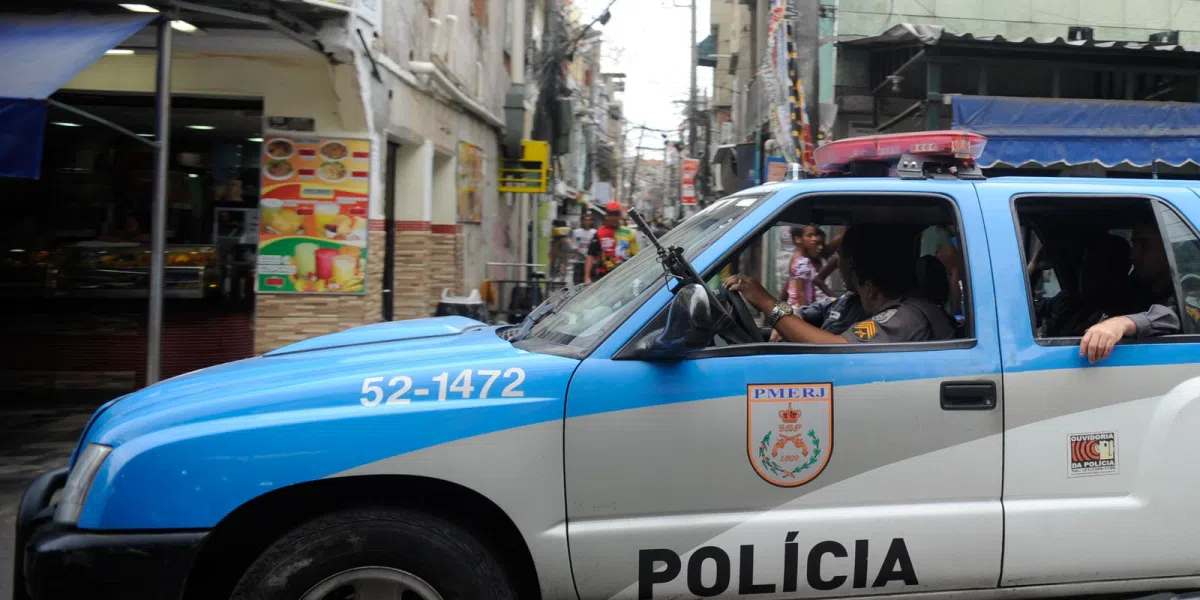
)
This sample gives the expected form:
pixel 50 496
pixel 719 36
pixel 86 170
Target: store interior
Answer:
pixel 75 253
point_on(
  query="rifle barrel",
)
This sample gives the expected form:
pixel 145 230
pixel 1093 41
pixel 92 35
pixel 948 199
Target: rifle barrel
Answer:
pixel 641 223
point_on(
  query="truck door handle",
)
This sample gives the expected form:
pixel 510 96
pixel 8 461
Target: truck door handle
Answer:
pixel 968 395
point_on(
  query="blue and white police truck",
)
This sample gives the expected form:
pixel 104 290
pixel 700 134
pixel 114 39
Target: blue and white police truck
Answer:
pixel 643 438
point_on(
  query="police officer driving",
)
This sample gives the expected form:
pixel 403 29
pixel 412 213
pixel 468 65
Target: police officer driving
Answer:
pixel 881 261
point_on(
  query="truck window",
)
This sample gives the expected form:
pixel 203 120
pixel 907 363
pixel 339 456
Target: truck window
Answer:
pixel 806 274
pixel 1183 252
pixel 589 316
pixel 1110 257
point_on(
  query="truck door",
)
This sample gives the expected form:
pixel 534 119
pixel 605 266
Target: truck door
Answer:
pixel 1098 458
pixel 788 470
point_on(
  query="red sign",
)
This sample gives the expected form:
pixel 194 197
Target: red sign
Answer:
pixel 688 169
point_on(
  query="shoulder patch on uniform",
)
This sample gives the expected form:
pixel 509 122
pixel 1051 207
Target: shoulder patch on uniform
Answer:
pixel 865 330
pixel 1193 313
pixel 884 316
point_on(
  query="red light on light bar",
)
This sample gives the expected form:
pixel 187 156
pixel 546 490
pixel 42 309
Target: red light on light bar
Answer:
pixel 834 156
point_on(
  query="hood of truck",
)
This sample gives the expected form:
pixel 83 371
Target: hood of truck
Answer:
pixel 324 372
pixel 189 450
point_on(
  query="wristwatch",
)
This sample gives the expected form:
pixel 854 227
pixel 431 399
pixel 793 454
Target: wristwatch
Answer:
pixel 781 310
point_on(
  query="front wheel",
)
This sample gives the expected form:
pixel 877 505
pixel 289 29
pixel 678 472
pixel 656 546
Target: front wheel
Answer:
pixel 370 554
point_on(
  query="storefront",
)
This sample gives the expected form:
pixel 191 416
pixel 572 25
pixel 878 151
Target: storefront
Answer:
pixel 76 259
pixel 1069 105
pixel 77 255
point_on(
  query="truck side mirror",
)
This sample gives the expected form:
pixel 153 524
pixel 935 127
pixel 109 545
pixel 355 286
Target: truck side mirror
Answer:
pixel 690 325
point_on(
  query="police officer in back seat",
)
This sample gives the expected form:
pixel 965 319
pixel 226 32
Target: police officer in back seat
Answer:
pixel 882 261
pixel 1153 294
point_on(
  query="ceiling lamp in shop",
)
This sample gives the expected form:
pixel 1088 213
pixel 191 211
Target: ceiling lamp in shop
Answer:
pixel 141 8
pixel 177 25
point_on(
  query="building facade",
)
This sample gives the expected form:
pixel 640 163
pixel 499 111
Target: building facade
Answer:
pixel 857 78
pixel 920 67
pixel 420 100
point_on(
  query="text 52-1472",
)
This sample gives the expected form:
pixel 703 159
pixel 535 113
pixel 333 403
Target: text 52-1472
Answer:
pixel 468 384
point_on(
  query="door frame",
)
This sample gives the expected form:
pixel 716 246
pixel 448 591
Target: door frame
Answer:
pixel 389 231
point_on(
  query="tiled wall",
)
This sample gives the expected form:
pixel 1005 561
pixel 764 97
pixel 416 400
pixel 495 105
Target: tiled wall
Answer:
pixel 410 294
pixel 445 262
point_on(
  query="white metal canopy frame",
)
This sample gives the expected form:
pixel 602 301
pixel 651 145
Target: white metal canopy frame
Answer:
pixel 294 20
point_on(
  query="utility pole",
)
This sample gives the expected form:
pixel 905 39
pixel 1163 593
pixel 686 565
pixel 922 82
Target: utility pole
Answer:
pixel 692 93
pixel 706 169
pixel 664 178
pixel 633 177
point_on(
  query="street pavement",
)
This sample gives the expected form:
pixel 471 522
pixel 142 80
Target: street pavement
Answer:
pixel 35 436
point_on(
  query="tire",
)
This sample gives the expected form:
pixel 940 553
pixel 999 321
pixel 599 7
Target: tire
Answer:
pixel 445 556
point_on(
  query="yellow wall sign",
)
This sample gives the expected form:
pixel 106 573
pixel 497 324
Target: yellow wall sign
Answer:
pixel 528 174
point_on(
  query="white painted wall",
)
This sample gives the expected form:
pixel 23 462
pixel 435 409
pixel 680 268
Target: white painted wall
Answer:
pixel 301 85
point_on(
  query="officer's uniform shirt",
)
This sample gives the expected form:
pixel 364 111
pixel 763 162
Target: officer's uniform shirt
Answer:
pixel 909 319
pixel 834 316
pixel 1162 317
pixel 1067 314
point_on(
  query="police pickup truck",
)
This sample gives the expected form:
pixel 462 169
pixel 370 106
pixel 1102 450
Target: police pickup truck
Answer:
pixel 642 438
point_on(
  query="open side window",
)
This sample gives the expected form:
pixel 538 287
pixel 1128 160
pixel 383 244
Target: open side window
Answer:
pixel 1092 258
pixel 937 248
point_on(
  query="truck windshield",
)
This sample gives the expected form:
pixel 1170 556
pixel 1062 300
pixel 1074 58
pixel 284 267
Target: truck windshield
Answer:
pixel 595 311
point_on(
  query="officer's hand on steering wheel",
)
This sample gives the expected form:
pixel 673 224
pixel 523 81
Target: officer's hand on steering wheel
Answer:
pixel 754 293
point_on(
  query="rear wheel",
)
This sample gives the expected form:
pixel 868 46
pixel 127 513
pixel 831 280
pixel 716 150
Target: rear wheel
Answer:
pixel 376 554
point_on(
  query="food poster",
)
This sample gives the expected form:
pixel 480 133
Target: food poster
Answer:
pixel 313 215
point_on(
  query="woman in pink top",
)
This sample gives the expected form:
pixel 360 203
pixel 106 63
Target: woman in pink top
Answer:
pixel 804 286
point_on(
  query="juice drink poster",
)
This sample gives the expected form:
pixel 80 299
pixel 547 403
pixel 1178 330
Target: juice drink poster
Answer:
pixel 312 213
pixel 325 263
pixel 326 215
pixel 305 259
pixel 344 268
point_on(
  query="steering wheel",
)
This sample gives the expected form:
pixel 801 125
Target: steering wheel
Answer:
pixel 743 330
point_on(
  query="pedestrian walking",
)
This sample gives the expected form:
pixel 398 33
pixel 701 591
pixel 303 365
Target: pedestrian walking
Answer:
pixel 613 244
pixel 581 238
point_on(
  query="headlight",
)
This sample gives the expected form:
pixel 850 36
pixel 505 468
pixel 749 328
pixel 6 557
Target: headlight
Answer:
pixel 79 482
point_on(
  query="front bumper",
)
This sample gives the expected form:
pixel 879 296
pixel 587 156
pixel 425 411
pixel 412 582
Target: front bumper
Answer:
pixel 52 560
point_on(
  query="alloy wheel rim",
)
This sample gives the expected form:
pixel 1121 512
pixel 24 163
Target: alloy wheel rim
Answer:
pixel 372 583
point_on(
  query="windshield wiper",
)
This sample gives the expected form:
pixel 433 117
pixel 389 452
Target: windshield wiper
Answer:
pixel 544 310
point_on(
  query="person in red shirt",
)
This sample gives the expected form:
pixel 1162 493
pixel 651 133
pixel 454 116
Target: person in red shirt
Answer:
pixel 613 244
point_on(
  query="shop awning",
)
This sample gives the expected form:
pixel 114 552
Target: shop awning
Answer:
pixel 41 54
pixel 1049 131
pixel 706 52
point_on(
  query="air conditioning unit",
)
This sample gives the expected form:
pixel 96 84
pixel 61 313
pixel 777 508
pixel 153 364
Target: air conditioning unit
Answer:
pixel 1165 37
pixel 1076 34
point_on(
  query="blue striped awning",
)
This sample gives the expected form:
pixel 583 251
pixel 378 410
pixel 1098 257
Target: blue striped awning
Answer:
pixel 1048 131
pixel 41 53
